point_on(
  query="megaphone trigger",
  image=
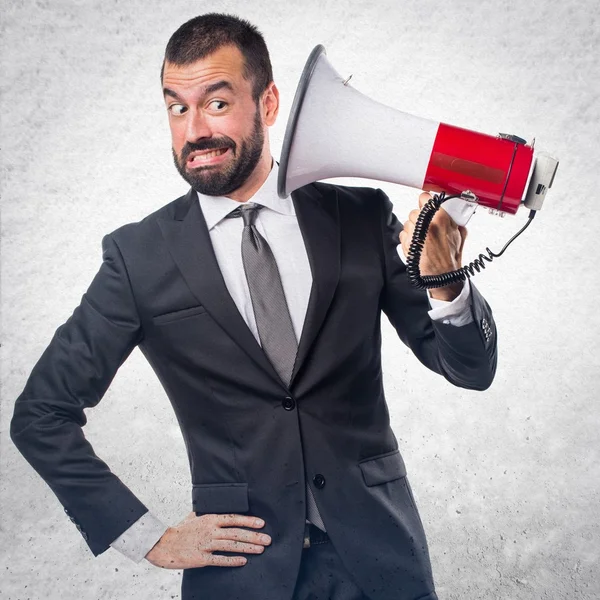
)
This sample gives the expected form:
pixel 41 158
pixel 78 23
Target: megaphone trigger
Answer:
pixel 460 210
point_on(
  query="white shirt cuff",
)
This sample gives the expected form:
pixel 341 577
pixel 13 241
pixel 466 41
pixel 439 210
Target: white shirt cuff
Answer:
pixel 457 312
pixel 140 538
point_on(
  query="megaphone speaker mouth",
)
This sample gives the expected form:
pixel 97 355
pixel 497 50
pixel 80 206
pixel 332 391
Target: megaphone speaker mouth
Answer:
pixel 336 131
pixel 290 129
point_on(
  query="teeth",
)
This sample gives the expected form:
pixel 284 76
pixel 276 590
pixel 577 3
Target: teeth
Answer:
pixel 207 155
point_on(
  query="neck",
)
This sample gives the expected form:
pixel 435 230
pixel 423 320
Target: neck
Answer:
pixel 256 180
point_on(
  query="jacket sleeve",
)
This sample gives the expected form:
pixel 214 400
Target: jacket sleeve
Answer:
pixel 466 355
pixel 73 374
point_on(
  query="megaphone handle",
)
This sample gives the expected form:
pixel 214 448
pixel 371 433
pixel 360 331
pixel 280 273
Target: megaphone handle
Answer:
pixel 418 241
pixel 459 210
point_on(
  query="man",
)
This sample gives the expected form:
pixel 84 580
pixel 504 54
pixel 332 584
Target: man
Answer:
pixel 262 321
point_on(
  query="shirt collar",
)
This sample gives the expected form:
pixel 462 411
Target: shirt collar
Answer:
pixel 216 208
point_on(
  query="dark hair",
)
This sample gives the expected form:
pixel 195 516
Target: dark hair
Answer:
pixel 205 34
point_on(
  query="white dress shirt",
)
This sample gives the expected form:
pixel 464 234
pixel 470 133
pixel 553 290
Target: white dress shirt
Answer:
pixel 278 224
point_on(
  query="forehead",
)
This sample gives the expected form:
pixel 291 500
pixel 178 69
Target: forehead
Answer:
pixel 226 63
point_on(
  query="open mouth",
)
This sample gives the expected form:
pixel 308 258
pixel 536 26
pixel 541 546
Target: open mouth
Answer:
pixel 206 157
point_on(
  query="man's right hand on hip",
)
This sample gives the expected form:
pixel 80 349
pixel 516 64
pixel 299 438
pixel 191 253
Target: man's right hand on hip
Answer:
pixel 192 542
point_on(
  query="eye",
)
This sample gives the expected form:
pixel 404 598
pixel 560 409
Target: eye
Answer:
pixel 217 105
pixel 177 109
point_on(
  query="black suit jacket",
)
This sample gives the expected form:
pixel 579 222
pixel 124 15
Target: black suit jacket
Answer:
pixel 250 448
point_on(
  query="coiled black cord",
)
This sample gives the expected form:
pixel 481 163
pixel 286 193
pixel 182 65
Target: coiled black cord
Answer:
pixel 418 241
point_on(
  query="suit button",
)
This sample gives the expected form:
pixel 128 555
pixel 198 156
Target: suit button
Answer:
pixel 289 403
pixel 319 481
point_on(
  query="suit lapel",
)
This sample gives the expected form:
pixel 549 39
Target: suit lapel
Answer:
pixel 189 243
pixel 188 240
pixel 318 219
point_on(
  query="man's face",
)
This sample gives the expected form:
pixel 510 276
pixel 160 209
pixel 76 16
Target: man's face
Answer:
pixel 217 130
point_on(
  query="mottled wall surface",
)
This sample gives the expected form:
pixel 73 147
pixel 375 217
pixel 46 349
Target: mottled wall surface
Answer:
pixel 507 480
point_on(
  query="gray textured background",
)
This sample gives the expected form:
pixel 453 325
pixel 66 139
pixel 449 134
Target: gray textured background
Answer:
pixel 507 480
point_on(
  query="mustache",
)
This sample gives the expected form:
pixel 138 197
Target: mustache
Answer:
pixel 207 144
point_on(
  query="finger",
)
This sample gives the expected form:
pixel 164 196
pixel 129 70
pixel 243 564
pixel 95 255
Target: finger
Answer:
pixel 413 215
pixel 424 197
pixel 463 235
pixel 233 546
pixel 242 535
pixel 406 243
pixel 233 520
pixel 443 219
pixel 216 560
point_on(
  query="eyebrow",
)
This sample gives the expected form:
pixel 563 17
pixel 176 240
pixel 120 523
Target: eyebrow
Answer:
pixel 210 89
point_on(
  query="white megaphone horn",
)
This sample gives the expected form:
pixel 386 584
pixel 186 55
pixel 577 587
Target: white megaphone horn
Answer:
pixel 335 131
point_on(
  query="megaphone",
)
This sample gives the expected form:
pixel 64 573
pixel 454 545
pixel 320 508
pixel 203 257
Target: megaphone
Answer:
pixel 335 131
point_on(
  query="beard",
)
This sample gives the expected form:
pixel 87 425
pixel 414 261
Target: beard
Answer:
pixel 222 180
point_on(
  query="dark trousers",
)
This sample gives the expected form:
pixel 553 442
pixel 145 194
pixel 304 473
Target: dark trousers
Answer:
pixel 322 576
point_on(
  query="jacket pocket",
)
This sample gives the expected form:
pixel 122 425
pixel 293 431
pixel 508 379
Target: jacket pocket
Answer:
pixel 178 314
pixel 220 498
pixel 383 468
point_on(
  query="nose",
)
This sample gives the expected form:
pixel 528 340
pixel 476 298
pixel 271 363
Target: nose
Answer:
pixel 197 126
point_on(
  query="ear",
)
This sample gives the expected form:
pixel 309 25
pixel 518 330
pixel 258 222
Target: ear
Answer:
pixel 270 104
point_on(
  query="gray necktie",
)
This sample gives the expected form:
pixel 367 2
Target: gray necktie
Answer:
pixel 271 312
